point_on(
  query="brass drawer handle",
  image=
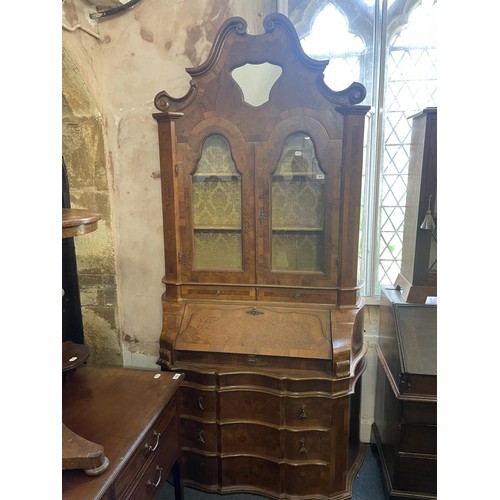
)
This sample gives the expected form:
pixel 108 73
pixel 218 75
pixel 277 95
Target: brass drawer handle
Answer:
pixel 297 295
pixel 303 414
pixel 148 448
pixel 200 436
pixel 302 447
pixel 155 485
pixel 302 474
pixel 200 403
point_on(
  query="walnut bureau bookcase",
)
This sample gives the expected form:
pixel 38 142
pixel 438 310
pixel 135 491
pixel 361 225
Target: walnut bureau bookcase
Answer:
pixel 261 169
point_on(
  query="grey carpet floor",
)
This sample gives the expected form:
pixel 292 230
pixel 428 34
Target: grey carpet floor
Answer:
pixel 368 484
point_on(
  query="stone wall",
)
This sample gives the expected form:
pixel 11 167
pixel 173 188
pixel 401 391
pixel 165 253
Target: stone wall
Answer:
pixel 110 146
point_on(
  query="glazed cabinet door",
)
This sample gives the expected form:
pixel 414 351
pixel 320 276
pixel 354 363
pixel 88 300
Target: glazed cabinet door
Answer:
pixel 298 185
pixel 216 223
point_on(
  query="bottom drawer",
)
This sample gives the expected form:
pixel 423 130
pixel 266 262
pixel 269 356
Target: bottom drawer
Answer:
pixel 308 480
pixel 416 474
pixel 200 470
pixel 250 471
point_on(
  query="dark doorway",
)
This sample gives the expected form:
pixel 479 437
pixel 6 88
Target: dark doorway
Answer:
pixel 72 325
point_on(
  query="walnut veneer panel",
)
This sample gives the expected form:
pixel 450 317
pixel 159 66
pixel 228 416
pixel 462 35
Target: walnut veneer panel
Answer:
pixel 245 437
pixel 309 412
pixel 250 406
pixel 298 296
pixel 308 444
pixel 296 332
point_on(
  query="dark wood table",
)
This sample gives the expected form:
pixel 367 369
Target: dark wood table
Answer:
pixel 133 414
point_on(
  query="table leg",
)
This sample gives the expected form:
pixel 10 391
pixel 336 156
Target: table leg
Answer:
pixel 179 489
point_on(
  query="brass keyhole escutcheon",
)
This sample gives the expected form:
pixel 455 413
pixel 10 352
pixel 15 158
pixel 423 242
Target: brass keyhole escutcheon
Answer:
pixel 254 312
pixel 303 414
pixel 302 447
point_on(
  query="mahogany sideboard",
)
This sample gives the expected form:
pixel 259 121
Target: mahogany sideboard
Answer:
pixel 133 414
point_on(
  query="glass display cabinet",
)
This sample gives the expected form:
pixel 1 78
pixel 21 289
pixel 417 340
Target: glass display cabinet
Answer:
pixel 216 208
pixel 261 168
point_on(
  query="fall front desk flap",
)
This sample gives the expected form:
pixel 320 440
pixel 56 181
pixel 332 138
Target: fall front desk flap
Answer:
pixel 417 332
pixel 262 331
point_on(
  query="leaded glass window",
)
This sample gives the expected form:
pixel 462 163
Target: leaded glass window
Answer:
pixel 411 85
pixel 401 80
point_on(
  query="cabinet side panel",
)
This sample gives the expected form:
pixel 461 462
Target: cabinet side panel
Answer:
pixel 168 162
pixel 352 169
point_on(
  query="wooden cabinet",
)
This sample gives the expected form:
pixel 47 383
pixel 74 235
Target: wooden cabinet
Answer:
pixel 261 185
pixel 134 415
pixel 405 427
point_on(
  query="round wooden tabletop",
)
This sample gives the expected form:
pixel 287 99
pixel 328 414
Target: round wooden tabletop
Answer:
pixel 77 221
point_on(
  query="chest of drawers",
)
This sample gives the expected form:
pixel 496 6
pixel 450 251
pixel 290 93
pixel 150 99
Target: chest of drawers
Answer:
pixel 264 419
pixel 251 429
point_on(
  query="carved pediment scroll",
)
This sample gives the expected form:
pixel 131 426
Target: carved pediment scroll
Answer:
pixel 279 46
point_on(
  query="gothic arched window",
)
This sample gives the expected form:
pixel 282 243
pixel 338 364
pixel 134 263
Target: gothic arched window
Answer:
pixel 390 47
